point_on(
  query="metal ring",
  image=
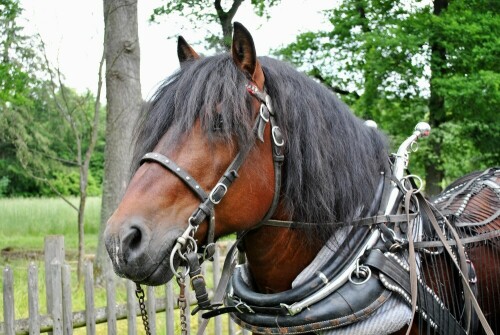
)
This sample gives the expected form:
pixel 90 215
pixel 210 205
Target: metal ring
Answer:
pixel 364 269
pixel 420 182
pixel 193 244
pixel 393 233
pixel 414 146
pixel 176 273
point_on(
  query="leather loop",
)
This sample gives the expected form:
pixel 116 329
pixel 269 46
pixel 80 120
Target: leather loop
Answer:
pixel 198 281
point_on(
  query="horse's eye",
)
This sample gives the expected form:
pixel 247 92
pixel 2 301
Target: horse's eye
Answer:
pixel 217 123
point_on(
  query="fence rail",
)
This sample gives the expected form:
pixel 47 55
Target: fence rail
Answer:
pixel 60 318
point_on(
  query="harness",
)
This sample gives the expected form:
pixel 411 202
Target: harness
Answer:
pixel 367 269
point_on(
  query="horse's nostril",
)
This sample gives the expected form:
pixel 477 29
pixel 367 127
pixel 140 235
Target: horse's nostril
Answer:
pixel 133 238
pixel 132 243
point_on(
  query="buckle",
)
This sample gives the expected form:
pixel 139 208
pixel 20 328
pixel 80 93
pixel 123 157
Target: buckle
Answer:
pixel 215 189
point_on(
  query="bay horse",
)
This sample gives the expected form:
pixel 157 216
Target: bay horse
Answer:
pixel 232 142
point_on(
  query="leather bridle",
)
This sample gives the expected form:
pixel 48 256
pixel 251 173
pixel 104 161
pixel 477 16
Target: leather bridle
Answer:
pixel 186 243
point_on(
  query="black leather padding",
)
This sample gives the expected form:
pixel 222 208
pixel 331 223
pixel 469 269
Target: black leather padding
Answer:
pixel 350 303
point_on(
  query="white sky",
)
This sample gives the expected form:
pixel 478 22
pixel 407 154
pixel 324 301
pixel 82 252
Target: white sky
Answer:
pixel 73 34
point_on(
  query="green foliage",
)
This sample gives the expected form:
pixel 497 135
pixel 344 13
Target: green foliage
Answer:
pixel 4 183
pixel 68 183
pixel 377 56
pixel 42 123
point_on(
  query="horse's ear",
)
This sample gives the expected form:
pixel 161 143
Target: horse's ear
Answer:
pixel 243 49
pixel 184 51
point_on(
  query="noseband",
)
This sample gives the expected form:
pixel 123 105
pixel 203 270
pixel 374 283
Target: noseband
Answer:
pixel 186 243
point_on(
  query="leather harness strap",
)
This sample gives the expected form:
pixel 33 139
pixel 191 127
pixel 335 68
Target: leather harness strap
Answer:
pixel 368 221
pixel 428 303
pixel 424 205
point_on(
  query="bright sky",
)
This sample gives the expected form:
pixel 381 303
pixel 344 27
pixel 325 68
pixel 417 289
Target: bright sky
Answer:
pixel 73 34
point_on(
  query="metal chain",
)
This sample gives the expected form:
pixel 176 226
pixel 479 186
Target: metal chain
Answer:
pixel 139 293
pixel 181 301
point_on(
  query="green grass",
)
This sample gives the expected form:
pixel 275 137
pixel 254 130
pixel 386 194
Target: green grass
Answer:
pixel 24 222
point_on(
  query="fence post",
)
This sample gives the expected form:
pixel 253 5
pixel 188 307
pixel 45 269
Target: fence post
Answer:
pixel 67 308
pixel 230 326
pixel 151 308
pixel 169 309
pixel 34 313
pixel 53 250
pixel 89 299
pixel 55 273
pixel 8 301
pixel 111 302
pixel 131 308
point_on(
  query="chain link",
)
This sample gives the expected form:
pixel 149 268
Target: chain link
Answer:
pixel 181 301
pixel 139 293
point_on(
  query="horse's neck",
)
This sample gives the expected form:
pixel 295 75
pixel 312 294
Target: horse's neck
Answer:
pixel 276 256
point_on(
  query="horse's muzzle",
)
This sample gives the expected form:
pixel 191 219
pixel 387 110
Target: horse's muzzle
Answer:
pixel 139 253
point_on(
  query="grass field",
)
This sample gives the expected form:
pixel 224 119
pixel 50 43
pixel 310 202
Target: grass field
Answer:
pixel 24 222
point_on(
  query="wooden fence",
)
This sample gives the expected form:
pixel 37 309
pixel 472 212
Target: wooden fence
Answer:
pixel 60 319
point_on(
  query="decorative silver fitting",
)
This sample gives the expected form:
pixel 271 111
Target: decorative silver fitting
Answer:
pixel 423 128
pixel 277 136
pixel 371 124
pixel 292 309
pixel 362 273
pixel 264 114
pixel 322 276
pixel 247 309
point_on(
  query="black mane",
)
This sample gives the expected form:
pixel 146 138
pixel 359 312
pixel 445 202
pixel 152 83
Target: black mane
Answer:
pixel 332 160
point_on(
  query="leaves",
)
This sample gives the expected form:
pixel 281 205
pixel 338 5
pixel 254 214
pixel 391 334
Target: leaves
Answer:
pixel 36 140
pixel 381 49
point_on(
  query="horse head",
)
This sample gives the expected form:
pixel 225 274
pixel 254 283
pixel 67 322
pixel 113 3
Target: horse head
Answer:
pixel 198 123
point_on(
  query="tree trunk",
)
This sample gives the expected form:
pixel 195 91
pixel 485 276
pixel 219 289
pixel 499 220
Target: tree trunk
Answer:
pixel 124 100
pixel 437 114
pixel 226 21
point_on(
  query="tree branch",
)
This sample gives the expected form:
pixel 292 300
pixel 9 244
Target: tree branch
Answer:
pixel 336 89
